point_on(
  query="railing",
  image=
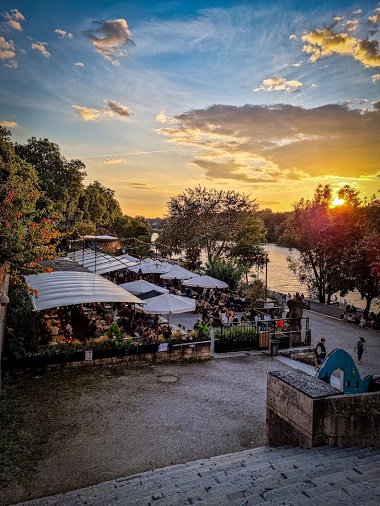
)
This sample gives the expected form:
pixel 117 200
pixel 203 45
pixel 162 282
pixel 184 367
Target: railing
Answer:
pixel 286 332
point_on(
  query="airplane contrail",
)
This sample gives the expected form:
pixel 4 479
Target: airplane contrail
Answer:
pixel 131 153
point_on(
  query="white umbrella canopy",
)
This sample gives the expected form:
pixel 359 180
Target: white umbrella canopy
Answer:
pixel 205 282
pixel 141 286
pixel 169 304
pixel 150 266
pixel 178 272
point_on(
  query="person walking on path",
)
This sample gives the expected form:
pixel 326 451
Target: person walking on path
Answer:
pixel 320 351
pixel 359 348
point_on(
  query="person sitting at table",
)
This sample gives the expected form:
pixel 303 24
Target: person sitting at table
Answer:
pixel 139 329
pixel 69 329
pixel 54 329
pixel 98 333
pixel 91 327
pixel 166 331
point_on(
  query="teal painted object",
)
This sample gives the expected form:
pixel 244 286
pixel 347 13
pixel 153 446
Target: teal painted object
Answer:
pixel 352 382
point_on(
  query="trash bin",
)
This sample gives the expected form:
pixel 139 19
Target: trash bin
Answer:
pixel 274 347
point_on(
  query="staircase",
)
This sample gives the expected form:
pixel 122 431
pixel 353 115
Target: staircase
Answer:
pixel 269 476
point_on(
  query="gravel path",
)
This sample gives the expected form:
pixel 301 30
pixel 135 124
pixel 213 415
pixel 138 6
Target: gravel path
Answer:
pixel 66 431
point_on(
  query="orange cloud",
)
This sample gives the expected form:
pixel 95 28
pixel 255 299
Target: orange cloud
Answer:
pixel 279 142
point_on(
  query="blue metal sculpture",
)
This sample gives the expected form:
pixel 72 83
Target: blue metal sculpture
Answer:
pixel 351 383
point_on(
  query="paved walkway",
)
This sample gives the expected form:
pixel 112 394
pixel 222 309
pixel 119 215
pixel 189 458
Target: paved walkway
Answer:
pixel 273 476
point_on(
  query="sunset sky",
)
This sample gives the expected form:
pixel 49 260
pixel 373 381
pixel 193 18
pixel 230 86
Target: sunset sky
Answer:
pixel 268 98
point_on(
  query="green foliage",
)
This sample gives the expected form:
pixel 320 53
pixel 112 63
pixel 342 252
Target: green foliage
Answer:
pixel 255 292
pixel 206 219
pixel 134 234
pixel 236 333
pixel 274 223
pixel 99 205
pixel 60 180
pixel 113 331
pixel 203 330
pixel 227 270
pixel 27 232
pixel 22 322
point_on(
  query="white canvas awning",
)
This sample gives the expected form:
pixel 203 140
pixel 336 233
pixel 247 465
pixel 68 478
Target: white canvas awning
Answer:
pixel 65 288
pixel 100 263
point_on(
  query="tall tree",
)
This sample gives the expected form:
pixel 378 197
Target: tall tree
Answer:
pixel 206 219
pixel 135 234
pixel 27 233
pixel 60 180
pixel 322 236
pixel 100 206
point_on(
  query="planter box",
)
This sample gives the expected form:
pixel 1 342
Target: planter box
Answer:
pixel 225 346
pixel 147 348
pixel 112 352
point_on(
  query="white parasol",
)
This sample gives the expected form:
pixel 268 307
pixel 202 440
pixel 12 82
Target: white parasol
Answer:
pixel 169 304
pixel 205 282
pixel 178 272
pixel 141 286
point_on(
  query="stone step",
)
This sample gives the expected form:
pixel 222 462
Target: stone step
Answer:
pixel 267 475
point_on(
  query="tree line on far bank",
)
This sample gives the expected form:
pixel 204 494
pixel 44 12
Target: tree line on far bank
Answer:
pixel 46 207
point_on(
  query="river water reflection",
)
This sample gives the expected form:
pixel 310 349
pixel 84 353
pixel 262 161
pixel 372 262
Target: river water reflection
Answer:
pixel 282 280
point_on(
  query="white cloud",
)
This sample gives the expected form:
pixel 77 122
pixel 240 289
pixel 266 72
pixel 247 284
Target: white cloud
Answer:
pixel 41 47
pixel 112 109
pixel 161 118
pixel 375 78
pixel 279 84
pixel 111 39
pixel 13 20
pixel 78 64
pixel 7 49
pixel 376 18
pixel 63 34
pixel 117 108
pixel 87 113
pixel 324 43
pixel 351 25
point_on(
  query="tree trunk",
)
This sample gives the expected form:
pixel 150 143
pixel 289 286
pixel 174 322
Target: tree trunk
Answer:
pixel 367 306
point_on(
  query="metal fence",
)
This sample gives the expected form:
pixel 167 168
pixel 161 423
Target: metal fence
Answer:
pixel 285 332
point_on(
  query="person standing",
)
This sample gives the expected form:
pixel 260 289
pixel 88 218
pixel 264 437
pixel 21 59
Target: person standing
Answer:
pixel 320 351
pixel 359 348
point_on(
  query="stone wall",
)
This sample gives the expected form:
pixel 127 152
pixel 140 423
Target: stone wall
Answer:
pixel 305 411
pixel 180 353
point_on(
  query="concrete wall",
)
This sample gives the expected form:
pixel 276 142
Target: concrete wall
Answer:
pixel 304 411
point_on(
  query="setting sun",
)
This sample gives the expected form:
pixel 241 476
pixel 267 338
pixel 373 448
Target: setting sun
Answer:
pixel 337 202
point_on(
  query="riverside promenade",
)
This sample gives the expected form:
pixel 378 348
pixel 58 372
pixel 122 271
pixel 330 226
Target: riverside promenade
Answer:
pixel 262 475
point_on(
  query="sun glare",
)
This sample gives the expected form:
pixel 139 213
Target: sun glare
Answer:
pixel 337 202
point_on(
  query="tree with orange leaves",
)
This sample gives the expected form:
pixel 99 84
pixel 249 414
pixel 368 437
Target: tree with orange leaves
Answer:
pixel 27 233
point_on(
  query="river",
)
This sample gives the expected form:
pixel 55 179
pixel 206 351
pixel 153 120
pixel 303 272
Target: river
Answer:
pixel 282 280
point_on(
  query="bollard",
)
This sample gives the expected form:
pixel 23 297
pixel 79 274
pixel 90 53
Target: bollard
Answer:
pixel 274 347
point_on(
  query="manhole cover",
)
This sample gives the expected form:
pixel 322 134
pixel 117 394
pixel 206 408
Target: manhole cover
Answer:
pixel 168 378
